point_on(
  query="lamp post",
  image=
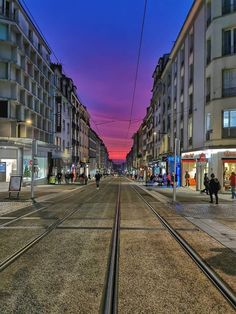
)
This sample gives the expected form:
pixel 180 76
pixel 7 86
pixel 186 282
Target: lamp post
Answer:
pixel 154 137
pixel 34 153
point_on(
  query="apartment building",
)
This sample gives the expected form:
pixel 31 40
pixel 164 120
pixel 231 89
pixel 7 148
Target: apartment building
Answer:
pixel 84 122
pixel 62 154
pixel 194 96
pixel 203 69
pixel 93 143
pixel 26 94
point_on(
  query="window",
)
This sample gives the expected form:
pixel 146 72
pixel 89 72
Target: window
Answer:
pixel 208 58
pixel 191 73
pixel 228 6
pixel 63 125
pixel 229 118
pixel 229 41
pixel 208 121
pixel 182 56
pixel 3 109
pixel 3 31
pixel 3 70
pixel 208 13
pixel 190 130
pixel 190 111
pixel 229 83
pixel 208 89
pixel 191 42
pixel 182 85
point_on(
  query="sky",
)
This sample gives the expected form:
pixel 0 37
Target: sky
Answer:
pixel 97 42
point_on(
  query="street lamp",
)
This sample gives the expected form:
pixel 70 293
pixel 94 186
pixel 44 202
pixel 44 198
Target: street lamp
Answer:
pixel 34 153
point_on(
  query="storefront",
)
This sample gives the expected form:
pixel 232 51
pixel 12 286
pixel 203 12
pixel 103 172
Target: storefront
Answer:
pixel 229 166
pixel 18 160
pixel 171 166
pixel 221 162
pixel 158 167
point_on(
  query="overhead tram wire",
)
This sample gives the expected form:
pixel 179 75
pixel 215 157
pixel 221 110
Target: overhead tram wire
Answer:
pixel 137 67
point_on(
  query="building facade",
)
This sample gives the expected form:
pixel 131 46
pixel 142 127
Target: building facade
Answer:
pixel 26 94
pixel 194 96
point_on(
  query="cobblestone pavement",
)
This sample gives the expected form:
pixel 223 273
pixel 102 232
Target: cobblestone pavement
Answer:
pixel 42 193
pixel 219 221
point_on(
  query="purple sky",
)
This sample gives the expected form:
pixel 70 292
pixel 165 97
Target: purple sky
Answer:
pixel 97 43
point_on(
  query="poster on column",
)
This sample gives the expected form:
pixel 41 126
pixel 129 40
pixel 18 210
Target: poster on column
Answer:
pixel 15 183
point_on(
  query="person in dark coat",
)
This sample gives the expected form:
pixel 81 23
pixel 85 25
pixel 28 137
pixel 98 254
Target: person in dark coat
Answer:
pixel 97 178
pixel 214 187
pixel 206 184
pixel 59 177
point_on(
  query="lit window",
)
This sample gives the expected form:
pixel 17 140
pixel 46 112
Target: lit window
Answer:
pixel 229 119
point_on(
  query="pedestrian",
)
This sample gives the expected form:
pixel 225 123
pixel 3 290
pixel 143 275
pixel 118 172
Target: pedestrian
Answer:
pixel 187 179
pixel 232 180
pixel 85 179
pixel 214 187
pixel 168 179
pixel 67 177
pixel 206 184
pixel 97 178
pixel 59 177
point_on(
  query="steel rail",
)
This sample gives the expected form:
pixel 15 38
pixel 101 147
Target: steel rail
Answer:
pixel 110 293
pixel 226 291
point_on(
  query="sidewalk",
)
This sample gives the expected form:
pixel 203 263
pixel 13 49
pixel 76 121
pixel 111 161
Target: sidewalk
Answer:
pixel 42 193
pixel 219 221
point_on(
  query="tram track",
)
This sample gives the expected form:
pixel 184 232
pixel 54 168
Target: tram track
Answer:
pixel 18 253
pixel 110 294
pixel 222 287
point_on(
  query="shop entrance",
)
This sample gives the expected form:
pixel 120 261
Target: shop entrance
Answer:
pixel 229 165
pixel 189 165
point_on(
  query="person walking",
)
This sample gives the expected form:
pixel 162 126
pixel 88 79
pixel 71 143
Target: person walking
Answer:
pixel 206 184
pixel 232 180
pixel 187 179
pixel 59 177
pixel 214 187
pixel 97 179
